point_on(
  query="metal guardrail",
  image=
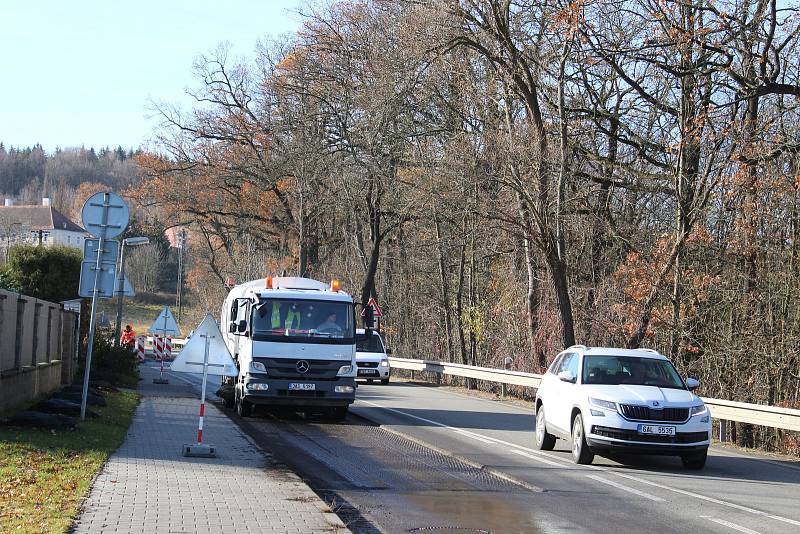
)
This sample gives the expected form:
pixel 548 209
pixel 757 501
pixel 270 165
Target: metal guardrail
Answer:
pixel 724 410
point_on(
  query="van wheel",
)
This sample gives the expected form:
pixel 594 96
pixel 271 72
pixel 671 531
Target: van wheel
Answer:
pixel 243 408
pixel 694 461
pixel 545 441
pixel 384 381
pixel 581 452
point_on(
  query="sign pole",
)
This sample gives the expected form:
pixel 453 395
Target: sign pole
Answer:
pixel 93 315
pixel 92 325
pixel 203 392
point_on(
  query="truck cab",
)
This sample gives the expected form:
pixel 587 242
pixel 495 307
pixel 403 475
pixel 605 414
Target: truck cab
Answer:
pixel 293 340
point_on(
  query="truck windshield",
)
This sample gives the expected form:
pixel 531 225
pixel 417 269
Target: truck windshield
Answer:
pixel 303 321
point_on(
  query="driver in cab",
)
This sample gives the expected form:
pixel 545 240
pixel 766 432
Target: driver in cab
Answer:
pixel 330 326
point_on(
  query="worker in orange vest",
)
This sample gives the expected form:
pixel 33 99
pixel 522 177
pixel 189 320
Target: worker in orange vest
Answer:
pixel 128 337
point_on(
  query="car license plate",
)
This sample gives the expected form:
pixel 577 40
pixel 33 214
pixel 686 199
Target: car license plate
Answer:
pixel 657 430
pixel 367 372
pixel 302 386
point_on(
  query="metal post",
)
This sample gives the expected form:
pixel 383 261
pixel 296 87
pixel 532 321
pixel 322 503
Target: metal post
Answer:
pixel 723 430
pixel 92 316
pixel 120 291
pixel 181 246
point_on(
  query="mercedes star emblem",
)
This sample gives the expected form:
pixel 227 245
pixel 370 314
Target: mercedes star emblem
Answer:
pixel 302 366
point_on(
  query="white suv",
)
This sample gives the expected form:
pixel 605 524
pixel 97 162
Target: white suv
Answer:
pixel 372 358
pixel 606 399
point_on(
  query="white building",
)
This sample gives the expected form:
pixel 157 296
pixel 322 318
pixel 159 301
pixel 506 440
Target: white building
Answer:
pixel 38 224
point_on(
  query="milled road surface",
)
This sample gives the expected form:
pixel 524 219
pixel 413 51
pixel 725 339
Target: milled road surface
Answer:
pixel 481 473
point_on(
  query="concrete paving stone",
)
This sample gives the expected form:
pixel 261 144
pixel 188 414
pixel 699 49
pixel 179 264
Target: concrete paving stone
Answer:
pixel 147 486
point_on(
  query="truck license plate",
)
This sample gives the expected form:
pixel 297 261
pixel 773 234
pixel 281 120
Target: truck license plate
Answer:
pixel 657 430
pixel 302 386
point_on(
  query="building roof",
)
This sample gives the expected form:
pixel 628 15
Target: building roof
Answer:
pixel 37 218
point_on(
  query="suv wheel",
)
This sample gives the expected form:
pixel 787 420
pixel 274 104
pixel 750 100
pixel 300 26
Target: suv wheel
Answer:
pixel 695 461
pixel 545 441
pixel 581 452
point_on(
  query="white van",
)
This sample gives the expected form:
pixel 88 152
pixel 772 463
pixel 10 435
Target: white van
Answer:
pixel 372 360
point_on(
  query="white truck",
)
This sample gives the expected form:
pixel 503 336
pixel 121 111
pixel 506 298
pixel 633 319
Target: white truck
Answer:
pixel 294 342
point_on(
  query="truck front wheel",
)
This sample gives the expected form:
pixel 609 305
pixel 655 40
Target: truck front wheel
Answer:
pixel 243 407
pixel 337 413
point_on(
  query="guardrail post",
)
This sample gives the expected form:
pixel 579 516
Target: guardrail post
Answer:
pixel 723 430
pixel 506 365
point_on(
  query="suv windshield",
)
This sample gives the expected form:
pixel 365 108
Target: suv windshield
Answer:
pixel 373 344
pixel 633 370
pixel 303 321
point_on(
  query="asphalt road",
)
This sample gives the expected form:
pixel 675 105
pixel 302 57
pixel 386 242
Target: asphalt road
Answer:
pixel 414 458
pixel 735 492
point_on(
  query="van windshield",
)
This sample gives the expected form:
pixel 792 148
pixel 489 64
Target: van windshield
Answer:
pixel 303 321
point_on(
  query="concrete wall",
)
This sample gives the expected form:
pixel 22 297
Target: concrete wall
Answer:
pixel 38 348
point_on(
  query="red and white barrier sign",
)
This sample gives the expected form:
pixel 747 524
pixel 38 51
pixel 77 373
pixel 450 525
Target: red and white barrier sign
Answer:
pixel 140 348
pixel 168 348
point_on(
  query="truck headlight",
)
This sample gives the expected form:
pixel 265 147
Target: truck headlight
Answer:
pixel 255 386
pixel 345 370
pixel 343 389
pixel 257 367
pixel 384 363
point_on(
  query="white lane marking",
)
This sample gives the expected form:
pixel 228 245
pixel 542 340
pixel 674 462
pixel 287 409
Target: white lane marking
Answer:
pixel 709 499
pixel 540 459
pixel 728 524
pixel 623 487
pixel 474 436
pixel 596 468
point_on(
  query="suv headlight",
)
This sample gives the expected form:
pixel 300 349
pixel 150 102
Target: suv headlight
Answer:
pixel 345 370
pixel 384 363
pixel 600 403
pixel 257 367
pixel 699 410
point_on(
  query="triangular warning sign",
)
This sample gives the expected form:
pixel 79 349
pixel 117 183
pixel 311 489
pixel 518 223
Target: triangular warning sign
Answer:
pixel 191 357
pixel 165 324
pixel 376 311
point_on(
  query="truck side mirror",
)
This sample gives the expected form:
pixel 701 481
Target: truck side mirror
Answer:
pixel 232 327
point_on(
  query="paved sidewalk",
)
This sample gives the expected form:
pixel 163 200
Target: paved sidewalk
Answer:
pixel 148 486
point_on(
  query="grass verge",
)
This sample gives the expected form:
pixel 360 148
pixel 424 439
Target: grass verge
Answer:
pixel 44 474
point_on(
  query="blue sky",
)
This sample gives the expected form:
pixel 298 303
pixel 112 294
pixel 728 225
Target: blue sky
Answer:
pixel 82 72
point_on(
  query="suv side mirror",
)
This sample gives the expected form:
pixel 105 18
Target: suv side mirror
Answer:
pixel 692 383
pixel 567 376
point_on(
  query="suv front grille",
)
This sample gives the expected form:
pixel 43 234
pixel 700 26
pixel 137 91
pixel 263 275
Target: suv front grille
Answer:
pixel 645 413
pixel 632 435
